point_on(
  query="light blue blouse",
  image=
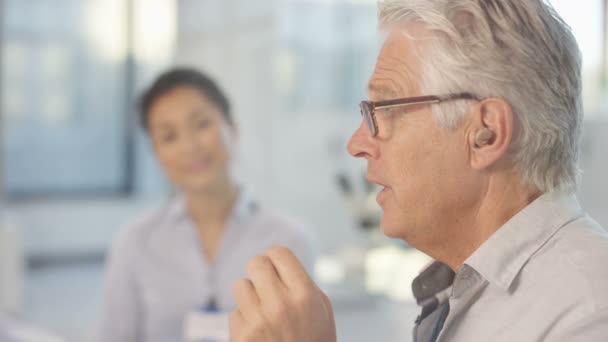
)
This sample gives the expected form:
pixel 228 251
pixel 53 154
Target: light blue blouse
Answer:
pixel 156 272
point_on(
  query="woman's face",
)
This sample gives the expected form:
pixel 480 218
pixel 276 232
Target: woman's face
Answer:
pixel 191 138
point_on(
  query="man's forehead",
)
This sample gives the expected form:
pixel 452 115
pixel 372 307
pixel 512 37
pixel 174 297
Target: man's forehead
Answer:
pixel 396 80
pixel 395 74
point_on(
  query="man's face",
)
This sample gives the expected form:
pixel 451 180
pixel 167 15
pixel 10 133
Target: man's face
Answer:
pixel 423 168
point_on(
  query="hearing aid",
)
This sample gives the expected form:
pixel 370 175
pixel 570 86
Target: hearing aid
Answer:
pixel 483 137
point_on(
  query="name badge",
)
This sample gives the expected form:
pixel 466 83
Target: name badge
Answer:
pixel 206 326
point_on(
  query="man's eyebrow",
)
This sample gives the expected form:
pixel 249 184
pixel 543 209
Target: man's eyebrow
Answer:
pixel 381 91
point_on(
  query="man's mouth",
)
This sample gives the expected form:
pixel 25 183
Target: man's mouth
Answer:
pixel 384 189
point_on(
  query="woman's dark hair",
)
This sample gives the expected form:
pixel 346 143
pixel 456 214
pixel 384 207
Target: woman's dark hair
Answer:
pixel 180 77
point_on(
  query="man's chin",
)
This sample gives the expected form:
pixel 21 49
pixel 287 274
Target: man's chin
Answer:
pixel 391 228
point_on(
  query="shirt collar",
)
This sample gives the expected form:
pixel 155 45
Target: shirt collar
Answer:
pixel 243 209
pixel 432 287
pixel 502 256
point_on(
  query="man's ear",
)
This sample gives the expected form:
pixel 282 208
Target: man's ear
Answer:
pixel 491 132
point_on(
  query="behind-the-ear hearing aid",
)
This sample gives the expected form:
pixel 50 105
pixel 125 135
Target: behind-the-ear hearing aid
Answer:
pixel 483 137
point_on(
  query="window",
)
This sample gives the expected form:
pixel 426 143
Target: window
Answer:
pixel 325 53
pixel 586 20
pixel 64 96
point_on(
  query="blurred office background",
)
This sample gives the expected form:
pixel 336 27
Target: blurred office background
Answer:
pixel 74 165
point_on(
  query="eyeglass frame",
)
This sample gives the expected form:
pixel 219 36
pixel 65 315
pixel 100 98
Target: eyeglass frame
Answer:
pixel 368 108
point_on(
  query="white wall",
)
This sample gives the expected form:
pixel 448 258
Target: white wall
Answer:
pixel 288 160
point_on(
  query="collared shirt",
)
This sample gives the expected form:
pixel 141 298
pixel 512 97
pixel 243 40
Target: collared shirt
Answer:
pixel 156 272
pixel 543 276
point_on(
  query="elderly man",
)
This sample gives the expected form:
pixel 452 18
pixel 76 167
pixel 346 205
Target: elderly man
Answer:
pixel 472 130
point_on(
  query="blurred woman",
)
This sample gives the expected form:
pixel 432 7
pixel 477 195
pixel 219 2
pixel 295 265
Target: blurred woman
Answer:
pixel 186 255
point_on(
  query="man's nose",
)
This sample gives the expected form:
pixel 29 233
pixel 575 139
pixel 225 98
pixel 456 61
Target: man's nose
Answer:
pixel 362 144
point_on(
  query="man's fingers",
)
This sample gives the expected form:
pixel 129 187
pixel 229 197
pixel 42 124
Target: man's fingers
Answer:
pixel 329 308
pixel 280 302
pixel 327 303
pixel 330 312
pixel 236 325
pixel 266 281
pixel 290 270
pixel 246 299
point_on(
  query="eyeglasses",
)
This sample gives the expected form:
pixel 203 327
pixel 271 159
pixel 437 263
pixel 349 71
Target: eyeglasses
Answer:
pixel 368 108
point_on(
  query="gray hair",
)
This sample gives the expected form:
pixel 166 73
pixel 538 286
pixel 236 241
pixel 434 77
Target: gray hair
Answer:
pixel 517 50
